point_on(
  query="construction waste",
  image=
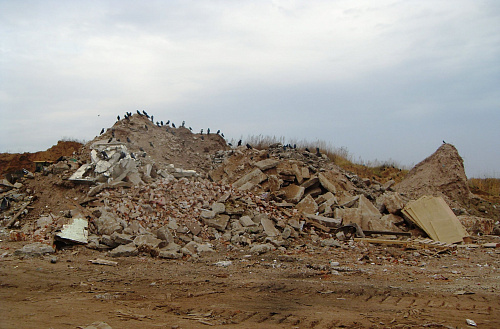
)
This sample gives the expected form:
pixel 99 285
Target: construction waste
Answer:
pixel 142 187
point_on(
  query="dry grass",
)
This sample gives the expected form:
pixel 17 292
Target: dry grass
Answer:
pixel 377 170
pixel 488 188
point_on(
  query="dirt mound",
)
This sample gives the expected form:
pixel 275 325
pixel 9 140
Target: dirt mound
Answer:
pixel 441 174
pixel 15 161
pixel 162 144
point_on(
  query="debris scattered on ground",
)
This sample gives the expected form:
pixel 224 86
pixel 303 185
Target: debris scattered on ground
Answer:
pixel 147 188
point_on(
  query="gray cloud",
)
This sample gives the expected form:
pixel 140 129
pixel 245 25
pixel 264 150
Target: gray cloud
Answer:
pixel 386 80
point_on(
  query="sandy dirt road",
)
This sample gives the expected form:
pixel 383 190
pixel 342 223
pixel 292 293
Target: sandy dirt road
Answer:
pixel 274 290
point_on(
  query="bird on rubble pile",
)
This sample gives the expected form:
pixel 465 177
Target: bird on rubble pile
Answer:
pixel 118 118
pixel 102 131
pixel 249 146
pixel 239 142
pixel 144 112
pixel 139 113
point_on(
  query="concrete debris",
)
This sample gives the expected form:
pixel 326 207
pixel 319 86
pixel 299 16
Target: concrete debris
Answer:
pixel 138 197
pixel 75 231
pixel 34 249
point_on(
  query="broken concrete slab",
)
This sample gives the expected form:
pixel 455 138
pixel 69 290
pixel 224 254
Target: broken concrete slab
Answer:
pixel 391 201
pixel 107 223
pixel 307 205
pixel 313 181
pixel 326 183
pixel 256 177
pixel 325 221
pixel 268 226
pixel 246 221
pixel 148 240
pixel 293 193
pixel 126 250
pixel 34 249
pixel 219 222
pixel 76 231
pixel 259 249
pixel 266 164
pixel 164 234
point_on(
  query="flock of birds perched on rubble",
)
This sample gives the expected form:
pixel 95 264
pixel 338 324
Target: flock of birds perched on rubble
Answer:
pixel 168 123
pixel 158 123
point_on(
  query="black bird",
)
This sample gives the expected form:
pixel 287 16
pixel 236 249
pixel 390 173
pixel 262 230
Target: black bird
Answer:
pixel 218 131
pixel 190 129
pixel 152 119
pixel 239 142
pixel 208 131
pixel 146 126
pixel 161 123
pixel 173 125
pixel 222 135
pixel 168 122
pixel 157 123
pixel 109 140
pixel 444 142
pixel 122 155
pixel 132 155
pixel 183 123
pixel 230 144
pixel 307 150
pixel 144 112
pixel 102 131
pixel 128 140
pixel 113 133
pixel 249 146
pixel 118 118
pixel 201 132
pixel 318 153
pixel 294 146
pixel 104 154
pixel 139 113
pixel 151 143
pixel 141 149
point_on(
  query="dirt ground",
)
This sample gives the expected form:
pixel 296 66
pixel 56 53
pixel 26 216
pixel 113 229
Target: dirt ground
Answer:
pixel 370 287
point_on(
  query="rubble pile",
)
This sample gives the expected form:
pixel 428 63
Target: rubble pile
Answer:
pixel 145 187
pixel 441 174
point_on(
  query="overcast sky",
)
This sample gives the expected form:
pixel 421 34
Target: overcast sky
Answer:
pixel 388 80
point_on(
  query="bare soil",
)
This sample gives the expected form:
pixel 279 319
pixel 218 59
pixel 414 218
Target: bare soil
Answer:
pixel 389 288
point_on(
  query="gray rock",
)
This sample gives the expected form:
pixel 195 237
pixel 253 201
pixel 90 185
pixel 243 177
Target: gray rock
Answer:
pixel 256 176
pixel 108 241
pixel 107 223
pixel 170 254
pixel 218 208
pixel 124 251
pixel 330 243
pixel 246 221
pixel 258 249
pixel 207 214
pixel 219 223
pixel 149 241
pixel 121 238
pixel 34 249
pixel 164 234
pixel 266 164
pixel 287 232
pixel 269 227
